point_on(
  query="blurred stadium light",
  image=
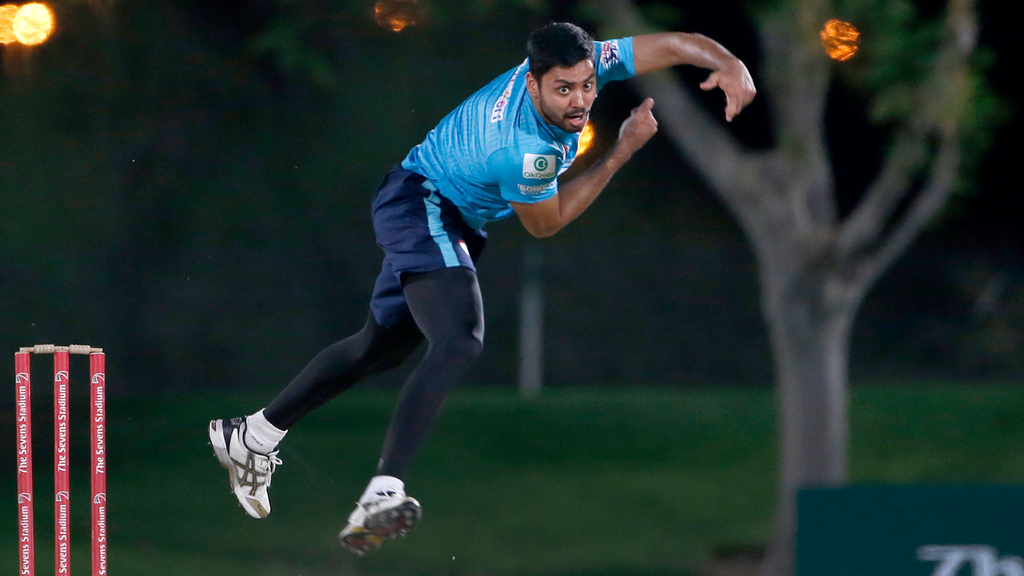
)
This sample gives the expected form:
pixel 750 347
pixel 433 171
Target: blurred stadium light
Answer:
pixel 30 24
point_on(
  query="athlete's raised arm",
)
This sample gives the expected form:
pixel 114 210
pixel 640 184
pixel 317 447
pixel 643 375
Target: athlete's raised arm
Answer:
pixel 652 52
pixel 543 219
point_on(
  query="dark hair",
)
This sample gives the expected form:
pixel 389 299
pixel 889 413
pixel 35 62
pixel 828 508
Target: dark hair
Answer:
pixel 558 44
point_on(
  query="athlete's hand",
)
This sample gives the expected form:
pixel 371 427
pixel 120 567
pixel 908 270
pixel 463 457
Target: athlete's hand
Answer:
pixel 639 127
pixel 737 84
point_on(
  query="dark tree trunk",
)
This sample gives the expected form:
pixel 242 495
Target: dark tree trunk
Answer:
pixel 810 334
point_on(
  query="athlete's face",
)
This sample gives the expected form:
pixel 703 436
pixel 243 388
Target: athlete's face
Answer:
pixel 564 95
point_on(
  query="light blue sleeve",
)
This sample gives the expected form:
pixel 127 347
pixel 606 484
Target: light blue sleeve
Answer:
pixel 523 176
pixel 614 60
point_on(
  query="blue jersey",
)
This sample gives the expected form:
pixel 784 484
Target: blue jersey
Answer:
pixel 495 148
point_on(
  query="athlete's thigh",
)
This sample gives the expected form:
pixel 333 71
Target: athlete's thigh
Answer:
pixel 446 303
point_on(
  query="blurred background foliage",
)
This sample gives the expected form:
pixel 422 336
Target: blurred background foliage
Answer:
pixel 187 184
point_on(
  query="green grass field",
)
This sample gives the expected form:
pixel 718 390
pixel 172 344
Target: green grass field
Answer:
pixel 598 482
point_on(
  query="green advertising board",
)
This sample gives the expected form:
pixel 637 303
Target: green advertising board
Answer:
pixel 910 530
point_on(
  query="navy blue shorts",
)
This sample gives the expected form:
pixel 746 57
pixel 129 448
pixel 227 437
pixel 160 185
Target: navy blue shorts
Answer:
pixel 419 231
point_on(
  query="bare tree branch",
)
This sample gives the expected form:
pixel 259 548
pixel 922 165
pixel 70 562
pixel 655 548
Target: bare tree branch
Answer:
pixel 874 211
pixel 927 204
pixel 708 146
pixel 963 25
pixel 871 217
pixel 797 77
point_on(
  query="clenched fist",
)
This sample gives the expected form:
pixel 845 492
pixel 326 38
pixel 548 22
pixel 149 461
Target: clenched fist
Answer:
pixel 639 127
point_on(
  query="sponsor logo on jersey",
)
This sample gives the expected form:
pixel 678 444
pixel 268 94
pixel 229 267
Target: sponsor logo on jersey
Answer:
pixel 534 190
pixel 609 53
pixel 539 166
pixel 498 112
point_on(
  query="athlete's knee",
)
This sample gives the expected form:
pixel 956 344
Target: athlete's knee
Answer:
pixel 474 347
pixel 462 348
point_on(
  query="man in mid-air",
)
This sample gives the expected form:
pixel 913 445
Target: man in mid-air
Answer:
pixel 500 152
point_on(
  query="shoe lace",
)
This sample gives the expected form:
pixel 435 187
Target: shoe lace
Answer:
pixel 272 463
pixel 258 467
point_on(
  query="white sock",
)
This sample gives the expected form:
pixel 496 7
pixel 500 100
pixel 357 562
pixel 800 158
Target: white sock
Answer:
pixel 260 435
pixel 382 484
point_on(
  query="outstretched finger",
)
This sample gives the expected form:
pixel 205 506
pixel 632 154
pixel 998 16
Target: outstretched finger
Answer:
pixel 644 106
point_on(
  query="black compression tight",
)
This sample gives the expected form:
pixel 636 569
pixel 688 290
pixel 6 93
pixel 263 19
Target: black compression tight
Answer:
pixel 340 366
pixel 447 310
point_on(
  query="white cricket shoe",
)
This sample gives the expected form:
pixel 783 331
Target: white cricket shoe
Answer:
pixel 250 471
pixel 389 514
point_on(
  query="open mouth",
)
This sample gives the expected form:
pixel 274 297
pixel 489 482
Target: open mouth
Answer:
pixel 578 118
